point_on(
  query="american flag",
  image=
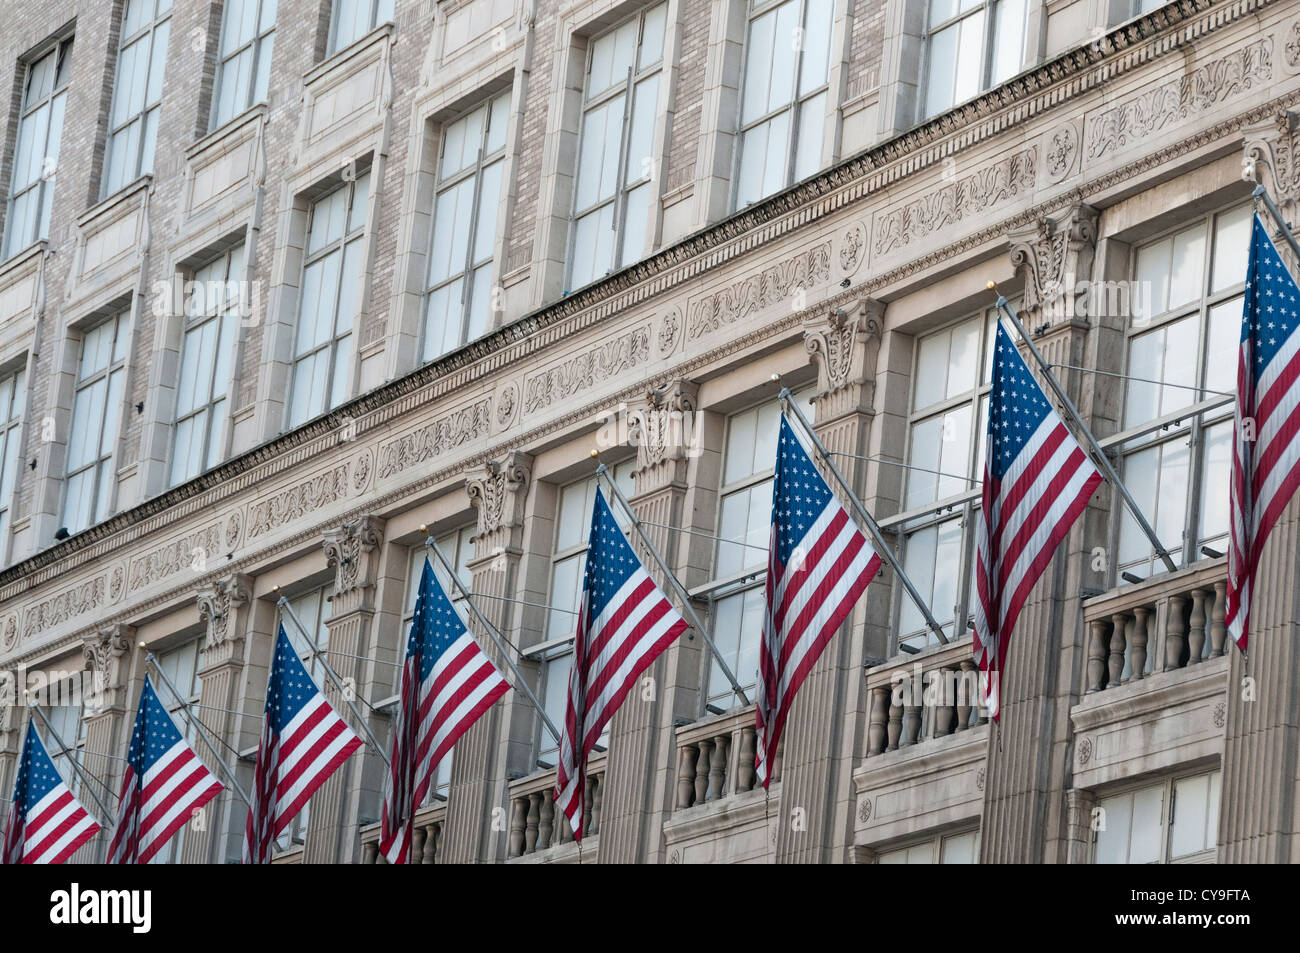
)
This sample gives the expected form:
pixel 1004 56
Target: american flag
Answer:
pixel 1266 444
pixel 46 822
pixel 165 783
pixel 303 741
pixel 447 683
pixel 1037 480
pixel 818 564
pixel 624 622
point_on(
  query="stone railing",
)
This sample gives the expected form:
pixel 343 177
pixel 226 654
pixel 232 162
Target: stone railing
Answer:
pixel 715 758
pixel 918 697
pixel 425 836
pixel 536 825
pixel 1159 626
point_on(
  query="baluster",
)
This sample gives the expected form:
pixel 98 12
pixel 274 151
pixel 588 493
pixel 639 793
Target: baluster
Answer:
pixel 1097 644
pixel 745 771
pixel 895 724
pixel 1175 633
pixel 417 845
pixel 1196 631
pixel 944 713
pixel 534 815
pixel 1138 638
pixel 518 811
pixel 587 804
pixel 431 835
pixel 686 758
pixel 878 720
pixel 968 691
pixel 1218 631
pixel 546 824
pixel 911 725
pixel 718 768
pixel 702 769
pixel 370 853
pixel 597 799
pixel 1118 631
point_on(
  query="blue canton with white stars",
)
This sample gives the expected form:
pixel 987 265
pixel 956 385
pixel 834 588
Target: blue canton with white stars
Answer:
pixel 154 734
pixel 610 560
pixel 37 776
pixel 1017 405
pixel 1271 310
pixel 436 624
pixel 290 687
pixel 799 495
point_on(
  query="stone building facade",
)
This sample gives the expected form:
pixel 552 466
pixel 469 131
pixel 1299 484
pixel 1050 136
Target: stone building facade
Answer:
pixel 283 284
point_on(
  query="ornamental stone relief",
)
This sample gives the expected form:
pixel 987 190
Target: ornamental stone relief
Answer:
pixel 67 605
pixel 1061 153
pixel 219 604
pixel 1056 255
pixel 189 552
pixel 771 286
pixel 1176 100
pixel 435 439
pixel 670 331
pixel 298 501
pixel 351 551
pixel 852 246
pixel 499 496
pixel 616 356
pixel 958 201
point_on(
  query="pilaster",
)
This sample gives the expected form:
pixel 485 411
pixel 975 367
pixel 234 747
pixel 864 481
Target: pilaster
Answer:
pixel 107 654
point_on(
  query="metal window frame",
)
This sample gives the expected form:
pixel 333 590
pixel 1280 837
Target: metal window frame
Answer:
pixel 9 381
pixel 986 51
pixel 255 43
pixel 1168 809
pixel 149 29
pixel 105 375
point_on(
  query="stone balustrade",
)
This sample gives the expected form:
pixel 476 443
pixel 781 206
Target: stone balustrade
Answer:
pixel 915 698
pixel 715 758
pixel 425 836
pixel 536 825
pixel 1169 623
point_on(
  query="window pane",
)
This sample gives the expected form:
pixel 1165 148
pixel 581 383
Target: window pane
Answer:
pixel 1153 278
pixel 1214 488
pixel 1112 836
pixel 1144 841
pixel 758 60
pixel 960 848
pixel 1188 266
pixel 808 150
pixel 1191 816
pixel 1008 38
pixel 1231 247
pixel 814 69
pixel 970 54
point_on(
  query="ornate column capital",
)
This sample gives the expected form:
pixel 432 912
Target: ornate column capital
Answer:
pixel 352 551
pixel 664 429
pixel 499 496
pixel 104 651
pixel 220 606
pixel 1056 255
pixel 844 344
pixel 1269 158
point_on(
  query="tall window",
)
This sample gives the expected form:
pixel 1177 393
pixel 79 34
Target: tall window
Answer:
pixel 1121 10
pixel 68 721
pixel 313 610
pixel 328 300
pixel 458 547
pixel 971 45
pixel 612 189
pixel 1173 822
pixel 181 665
pixel 1184 335
pixel 212 312
pixel 36 150
pixel 458 287
pixel 783 99
pixel 244 67
pixel 13 396
pixel 568 563
pixel 353 19
pixel 744 528
pixel 963 848
pixel 137 92
pixel 96 415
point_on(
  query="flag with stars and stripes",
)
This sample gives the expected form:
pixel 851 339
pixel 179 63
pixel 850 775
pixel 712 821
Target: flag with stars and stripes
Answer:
pixel 447 683
pixel 1266 437
pixel 818 564
pixel 1037 481
pixel 165 783
pixel 303 741
pixel 624 622
pixel 46 822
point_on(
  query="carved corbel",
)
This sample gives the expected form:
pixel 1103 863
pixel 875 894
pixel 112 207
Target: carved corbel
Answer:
pixel 1269 158
pixel 665 430
pixel 844 344
pixel 222 606
pixel 104 651
pixel 352 551
pixel 499 496
pixel 1056 255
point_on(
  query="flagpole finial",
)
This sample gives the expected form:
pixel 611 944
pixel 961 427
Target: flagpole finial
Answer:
pixel 776 378
pixel 424 528
pixel 595 454
pixel 992 286
pixel 140 644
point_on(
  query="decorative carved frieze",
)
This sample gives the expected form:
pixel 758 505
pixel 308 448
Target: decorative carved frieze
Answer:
pixel 434 439
pixel 352 551
pixel 221 606
pixel 298 501
pixel 69 604
pixel 625 352
pixel 1178 99
pixel 773 285
pixel 1056 255
pixel 190 552
pixel 844 344
pixel 499 495
pixel 957 201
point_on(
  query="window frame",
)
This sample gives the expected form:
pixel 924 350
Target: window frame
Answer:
pixel 14 381
pixel 377 7
pixel 150 29
pixel 935 841
pixel 257 44
pixel 987 52
pixel 1168 813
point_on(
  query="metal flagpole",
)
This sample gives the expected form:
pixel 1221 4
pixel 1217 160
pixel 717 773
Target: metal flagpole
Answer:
pixel 1262 193
pixel 150 659
pixel 496 637
pixel 602 470
pixel 1097 452
pixel 283 603
pixel 80 772
pixel 882 546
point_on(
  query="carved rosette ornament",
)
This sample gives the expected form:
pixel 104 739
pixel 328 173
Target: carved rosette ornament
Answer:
pixel 352 551
pixel 222 607
pixel 103 651
pixel 1269 158
pixel 665 430
pixel 499 496
pixel 844 344
pixel 1056 255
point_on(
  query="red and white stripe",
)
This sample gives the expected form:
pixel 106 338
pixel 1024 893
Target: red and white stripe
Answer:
pixel 50 831
pixel 151 811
